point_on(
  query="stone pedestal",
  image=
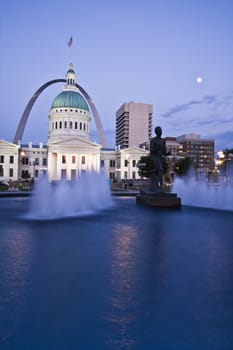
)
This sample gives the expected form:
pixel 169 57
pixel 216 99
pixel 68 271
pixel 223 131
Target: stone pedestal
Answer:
pixel 158 199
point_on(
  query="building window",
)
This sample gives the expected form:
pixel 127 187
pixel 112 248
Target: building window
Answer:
pixel 134 175
pixel 25 160
pixel 60 125
pixel 11 172
pixel 65 125
pixel 63 174
pixel 63 159
pixel 37 161
pixel 56 125
pixel 71 125
pixel 44 161
pixel 73 159
pixel 73 174
pixel 112 163
pixel 76 125
pixel 102 163
pixel 11 159
pixel 83 160
pixel 80 126
pixel 25 174
pixel 1 159
pixel 125 174
pixel 134 163
pixel 126 162
pixel 1 171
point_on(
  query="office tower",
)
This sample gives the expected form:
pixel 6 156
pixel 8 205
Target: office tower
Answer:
pixel 133 124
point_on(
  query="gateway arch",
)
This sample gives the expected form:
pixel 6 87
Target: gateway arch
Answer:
pixel 23 120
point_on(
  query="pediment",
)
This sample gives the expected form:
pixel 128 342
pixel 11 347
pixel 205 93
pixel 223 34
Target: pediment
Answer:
pixel 135 149
pixel 74 142
pixel 8 145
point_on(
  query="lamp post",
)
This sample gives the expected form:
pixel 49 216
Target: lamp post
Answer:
pixel 21 156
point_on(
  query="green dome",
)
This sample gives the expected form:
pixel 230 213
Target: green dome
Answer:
pixel 70 99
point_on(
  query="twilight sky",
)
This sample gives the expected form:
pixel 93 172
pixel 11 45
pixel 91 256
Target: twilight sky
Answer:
pixel 149 51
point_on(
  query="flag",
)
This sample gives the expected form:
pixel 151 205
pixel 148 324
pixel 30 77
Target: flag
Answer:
pixel 70 41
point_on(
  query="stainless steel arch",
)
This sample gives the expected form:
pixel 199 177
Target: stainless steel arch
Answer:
pixel 23 120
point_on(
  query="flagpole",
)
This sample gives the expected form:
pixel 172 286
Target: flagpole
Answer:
pixel 70 45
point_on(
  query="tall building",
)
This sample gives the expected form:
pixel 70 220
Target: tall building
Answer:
pixel 133 124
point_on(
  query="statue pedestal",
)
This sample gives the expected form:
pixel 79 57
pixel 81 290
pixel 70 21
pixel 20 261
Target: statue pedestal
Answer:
pixel 158 199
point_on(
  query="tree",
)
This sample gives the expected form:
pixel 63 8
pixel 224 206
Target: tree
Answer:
pixel 182 166
pixel 146 166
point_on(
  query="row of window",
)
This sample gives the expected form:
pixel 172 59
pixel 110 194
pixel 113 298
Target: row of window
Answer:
pixel 25 161
pixel 112 175
pixel 73 159
pixel 112 163
pixel 11 172
pixel 70 125
pixel 71 110
pixel 11 159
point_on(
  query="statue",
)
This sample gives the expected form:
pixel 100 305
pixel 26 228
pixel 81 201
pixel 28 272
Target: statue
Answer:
pixel 157 197
pixel 157 150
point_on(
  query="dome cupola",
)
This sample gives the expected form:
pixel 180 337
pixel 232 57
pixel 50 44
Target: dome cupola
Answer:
pixel 69 114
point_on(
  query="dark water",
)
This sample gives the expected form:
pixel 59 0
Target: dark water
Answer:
pixel 128 278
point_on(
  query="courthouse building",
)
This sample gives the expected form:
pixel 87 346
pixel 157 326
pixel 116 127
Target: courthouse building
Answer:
pixel 69 151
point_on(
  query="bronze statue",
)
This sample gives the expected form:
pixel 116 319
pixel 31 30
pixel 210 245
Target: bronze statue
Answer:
pixel 157 150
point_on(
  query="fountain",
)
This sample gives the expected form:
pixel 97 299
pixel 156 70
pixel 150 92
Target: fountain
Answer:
pixel 203 194
pixel 87 195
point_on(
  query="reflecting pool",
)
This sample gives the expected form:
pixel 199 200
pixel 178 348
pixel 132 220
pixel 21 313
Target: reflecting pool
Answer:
pixel 130 277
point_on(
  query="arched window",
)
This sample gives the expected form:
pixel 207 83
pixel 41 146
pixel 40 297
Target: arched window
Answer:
pixel 60 125
pixel 80 126
pixel 65 125
pixel 71 125
pixel 56 125
pixel 76 125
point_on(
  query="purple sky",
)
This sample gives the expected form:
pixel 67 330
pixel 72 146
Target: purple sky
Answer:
pixel 148 51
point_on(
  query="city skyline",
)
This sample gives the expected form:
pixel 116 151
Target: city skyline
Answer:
pixel 173 55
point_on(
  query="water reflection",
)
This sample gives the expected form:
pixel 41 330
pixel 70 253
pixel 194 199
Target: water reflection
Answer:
pixel 123 302
pixel 15 252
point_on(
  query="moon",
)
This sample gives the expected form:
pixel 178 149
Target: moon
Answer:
pixel 199 80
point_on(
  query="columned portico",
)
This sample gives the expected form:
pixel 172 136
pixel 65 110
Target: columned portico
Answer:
pixel 70 158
